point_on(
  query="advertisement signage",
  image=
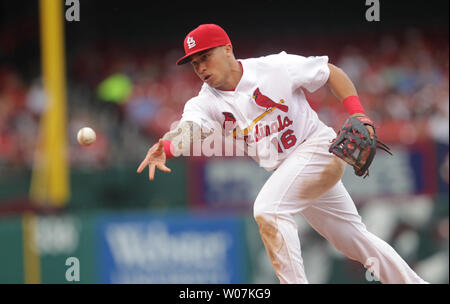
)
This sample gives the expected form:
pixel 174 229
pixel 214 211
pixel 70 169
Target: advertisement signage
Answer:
pixel 171 249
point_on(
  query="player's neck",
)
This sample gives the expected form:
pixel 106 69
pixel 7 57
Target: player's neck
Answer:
pixel 235 76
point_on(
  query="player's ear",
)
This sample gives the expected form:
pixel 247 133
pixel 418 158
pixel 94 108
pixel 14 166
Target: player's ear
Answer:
pixel 228 49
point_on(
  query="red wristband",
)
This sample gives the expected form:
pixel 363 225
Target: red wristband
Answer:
pixel 352 105
pixel 168 148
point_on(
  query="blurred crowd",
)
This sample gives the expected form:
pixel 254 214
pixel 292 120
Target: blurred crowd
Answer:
pixel 402 80
pixel 403 84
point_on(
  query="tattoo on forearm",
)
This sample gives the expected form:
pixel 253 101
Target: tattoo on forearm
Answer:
pixel 184 135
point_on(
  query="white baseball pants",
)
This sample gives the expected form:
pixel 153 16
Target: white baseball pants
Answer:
pixel 300 186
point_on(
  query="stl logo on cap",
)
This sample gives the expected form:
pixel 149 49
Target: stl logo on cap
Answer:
pixel 190 42
pixel 207 36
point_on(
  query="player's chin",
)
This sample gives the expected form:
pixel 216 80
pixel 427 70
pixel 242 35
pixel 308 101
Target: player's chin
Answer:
pixel 210 81
pixel 216 85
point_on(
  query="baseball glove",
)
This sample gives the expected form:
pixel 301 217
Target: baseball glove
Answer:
pixel 354 145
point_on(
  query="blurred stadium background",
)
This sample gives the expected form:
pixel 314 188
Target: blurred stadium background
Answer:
pixel 195 225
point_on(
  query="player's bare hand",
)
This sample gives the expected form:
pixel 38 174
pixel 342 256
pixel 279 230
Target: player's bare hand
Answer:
pixel 371 131
pixel 156 158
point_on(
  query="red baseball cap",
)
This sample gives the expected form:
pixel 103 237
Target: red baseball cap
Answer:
pixel 204 37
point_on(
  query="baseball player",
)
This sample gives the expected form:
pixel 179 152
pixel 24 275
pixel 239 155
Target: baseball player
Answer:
pixel 261 101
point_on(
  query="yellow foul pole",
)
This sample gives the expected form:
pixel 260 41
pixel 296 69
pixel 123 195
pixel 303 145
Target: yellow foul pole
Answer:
pixel 31 259
pixel 50 179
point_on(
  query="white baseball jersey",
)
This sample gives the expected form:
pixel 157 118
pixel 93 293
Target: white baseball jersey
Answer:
pixel 268 106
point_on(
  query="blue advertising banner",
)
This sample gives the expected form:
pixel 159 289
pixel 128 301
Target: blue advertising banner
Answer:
pixel 180 248
pixel 226 183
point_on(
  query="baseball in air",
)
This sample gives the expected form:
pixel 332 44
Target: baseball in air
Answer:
pixel 86 136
